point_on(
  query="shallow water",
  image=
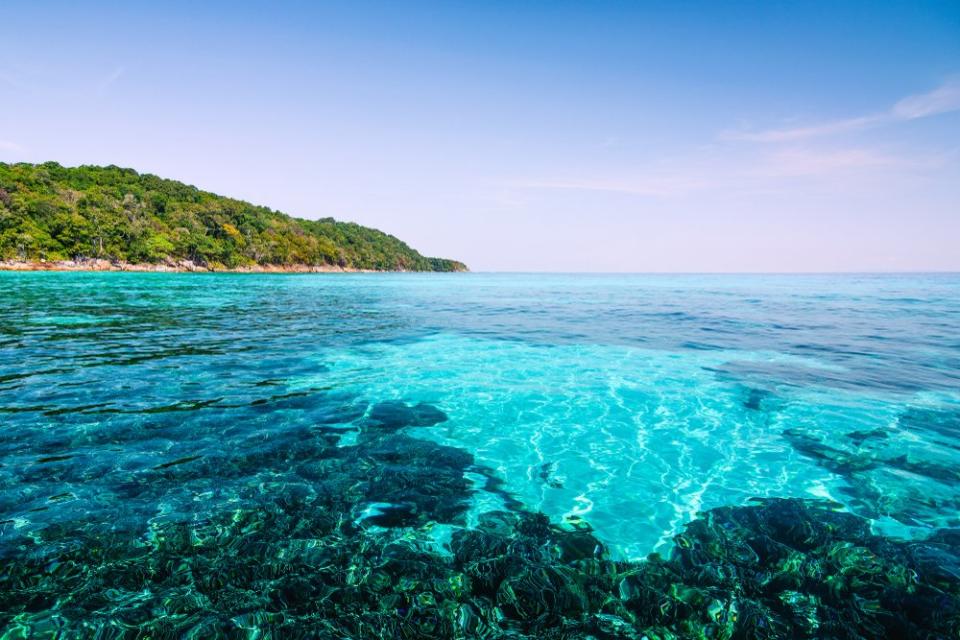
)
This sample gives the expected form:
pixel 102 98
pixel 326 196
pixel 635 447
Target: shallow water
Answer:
pixel 630 402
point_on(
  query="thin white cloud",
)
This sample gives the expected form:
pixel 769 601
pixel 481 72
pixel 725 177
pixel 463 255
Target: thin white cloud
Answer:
pixel 110 79
pixel 943 99
pixel 802 133
pixel 7 145
pixel 753 174
pixel 807 162
pixel 793 163
pixel 652 186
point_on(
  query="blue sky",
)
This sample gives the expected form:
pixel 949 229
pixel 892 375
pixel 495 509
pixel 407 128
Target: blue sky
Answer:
pixel 545 136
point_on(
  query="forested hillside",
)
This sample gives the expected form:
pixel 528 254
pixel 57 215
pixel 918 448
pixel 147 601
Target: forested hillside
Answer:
pixel 50 212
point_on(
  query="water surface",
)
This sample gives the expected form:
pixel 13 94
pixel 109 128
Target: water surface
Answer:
pixel 629 402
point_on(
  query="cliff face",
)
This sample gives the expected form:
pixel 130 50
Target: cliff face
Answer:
pixel 72 217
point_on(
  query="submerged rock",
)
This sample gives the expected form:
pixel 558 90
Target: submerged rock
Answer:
pixel 344 544
pixel 424 480
pixel 397 414
pixel 295 568
pixel 756 398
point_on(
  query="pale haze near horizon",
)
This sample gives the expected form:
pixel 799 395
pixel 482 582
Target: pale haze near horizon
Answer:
pixel 603 136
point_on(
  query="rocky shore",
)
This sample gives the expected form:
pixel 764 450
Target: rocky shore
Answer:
pixel 171 266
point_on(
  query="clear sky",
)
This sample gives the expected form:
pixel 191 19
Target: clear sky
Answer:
pixel 525 135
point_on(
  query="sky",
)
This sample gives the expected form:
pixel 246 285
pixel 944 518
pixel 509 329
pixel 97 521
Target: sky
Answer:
pixel 525 136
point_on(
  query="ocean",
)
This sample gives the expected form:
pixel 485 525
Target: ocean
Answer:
pixel 137 409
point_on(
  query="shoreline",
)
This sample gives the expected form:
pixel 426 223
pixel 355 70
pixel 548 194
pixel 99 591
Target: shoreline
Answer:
pixel 180 266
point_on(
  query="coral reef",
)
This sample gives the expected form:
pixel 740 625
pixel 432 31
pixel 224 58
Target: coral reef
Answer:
pixel 350 546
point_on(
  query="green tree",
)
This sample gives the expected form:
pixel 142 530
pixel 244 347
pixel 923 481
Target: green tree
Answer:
pixel 52 212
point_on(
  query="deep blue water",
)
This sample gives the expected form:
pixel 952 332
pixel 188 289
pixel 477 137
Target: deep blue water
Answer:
pixel 631 402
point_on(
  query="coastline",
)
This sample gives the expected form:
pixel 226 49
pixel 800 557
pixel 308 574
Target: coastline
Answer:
pixel 179 266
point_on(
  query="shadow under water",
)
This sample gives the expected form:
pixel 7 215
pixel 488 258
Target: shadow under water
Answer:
pixel 874 464
pixel 350 543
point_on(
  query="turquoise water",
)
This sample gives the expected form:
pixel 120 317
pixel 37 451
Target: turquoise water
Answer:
pixel 130 402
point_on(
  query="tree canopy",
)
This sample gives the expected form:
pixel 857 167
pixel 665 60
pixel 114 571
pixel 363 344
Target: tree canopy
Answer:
pixel 50 212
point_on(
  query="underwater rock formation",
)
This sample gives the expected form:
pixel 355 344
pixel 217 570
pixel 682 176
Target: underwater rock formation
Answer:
pixel 396 415
pixel 299 565
pixel 942 425
pixel 873 465
pixel 366 537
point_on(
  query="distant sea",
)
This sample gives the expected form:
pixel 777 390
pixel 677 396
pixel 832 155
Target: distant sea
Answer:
pixel 630 403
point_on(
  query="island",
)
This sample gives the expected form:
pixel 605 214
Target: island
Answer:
pixel 111 218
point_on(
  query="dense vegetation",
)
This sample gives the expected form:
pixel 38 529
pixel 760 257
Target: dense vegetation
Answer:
pixel 50 212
